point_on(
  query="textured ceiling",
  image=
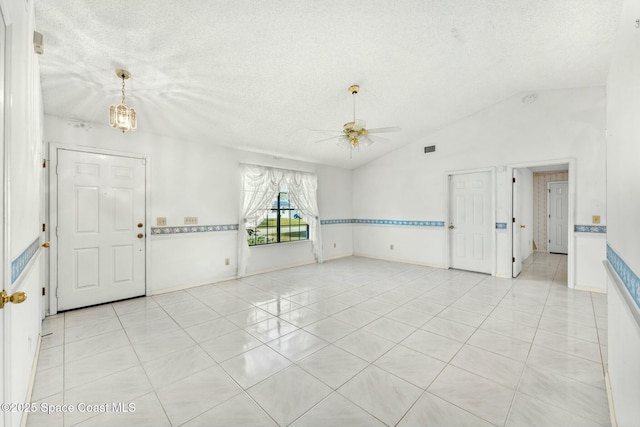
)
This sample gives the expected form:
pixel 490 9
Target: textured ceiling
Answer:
pixel 262 75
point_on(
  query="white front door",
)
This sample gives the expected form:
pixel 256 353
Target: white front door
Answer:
pixel 558 207
pixel 471 225
pixel 516 243
pixel 101 231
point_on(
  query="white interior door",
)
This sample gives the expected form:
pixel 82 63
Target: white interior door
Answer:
pixel 101 232
pixel 558 224
pixel 516 231
pixel 471 221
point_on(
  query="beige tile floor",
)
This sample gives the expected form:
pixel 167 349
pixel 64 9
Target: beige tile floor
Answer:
pixel 351 342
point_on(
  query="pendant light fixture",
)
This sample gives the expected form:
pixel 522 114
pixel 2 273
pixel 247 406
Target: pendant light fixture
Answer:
pixel 121 117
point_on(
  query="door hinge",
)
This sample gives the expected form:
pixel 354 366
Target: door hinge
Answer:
pixel 43 292
pixel 57 229
pixel 513 220
pixel 44 163
pixel 549 190
pixel 514 180
pixel 513 259
pixel 44 227
pixel 549 241
pixel 56 292
pixel 57 169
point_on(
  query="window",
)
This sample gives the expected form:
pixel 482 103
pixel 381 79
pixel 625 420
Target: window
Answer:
pixel 283 223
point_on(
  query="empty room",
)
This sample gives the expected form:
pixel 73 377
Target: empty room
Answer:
pixel 320 213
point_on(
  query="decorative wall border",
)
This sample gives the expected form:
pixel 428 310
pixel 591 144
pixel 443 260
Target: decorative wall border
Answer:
pixel 335 221
pixel 189 229
pixel 600 229
pixel 501 225
pixel 18 265
pixel 626 275
pixel 400 222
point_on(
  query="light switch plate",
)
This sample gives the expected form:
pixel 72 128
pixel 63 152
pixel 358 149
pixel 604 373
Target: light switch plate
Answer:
pixel 190 220
pixel 161 221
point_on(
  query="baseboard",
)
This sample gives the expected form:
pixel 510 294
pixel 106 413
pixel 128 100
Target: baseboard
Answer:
pixel 337 257
pixel 612 409
pixel 284 267
pixel 403 261
pixel 190 285
pixel 32 380
pixel 588 289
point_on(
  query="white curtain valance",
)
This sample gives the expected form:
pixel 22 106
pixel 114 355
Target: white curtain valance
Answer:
pixel 260 186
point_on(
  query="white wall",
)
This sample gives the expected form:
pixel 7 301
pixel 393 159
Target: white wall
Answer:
pixel 407 184
pixel 623 211
pixel 22 209
pixel 200 179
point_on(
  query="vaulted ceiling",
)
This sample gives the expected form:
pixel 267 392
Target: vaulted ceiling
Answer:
pixel 265 75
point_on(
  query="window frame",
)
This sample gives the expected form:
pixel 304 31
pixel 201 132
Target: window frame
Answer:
pixel 279 208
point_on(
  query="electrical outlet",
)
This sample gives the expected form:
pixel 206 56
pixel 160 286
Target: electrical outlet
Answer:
pixel 391 247
pixel 226 261
pixel 190 220
pixel 595 219
pixel 161 221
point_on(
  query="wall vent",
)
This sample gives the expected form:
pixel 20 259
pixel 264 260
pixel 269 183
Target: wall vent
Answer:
pixel 430 149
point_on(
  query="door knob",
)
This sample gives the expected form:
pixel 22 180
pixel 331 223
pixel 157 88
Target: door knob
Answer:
pixel 523 226
pixel 451 227
pixel 16 298
pixel 140 235
pixel 46 245
pixel 139 225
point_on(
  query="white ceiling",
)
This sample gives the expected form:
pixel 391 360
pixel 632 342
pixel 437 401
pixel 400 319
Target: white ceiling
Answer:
pixel 261 75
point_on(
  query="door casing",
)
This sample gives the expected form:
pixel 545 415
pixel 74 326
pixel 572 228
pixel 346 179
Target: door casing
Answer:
pixel 53 215
pixel 571 162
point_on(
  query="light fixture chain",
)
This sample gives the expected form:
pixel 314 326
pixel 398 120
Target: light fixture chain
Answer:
pixel 354 106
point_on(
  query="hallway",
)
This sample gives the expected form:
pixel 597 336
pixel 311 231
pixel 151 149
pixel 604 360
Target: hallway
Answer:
pixel 354 341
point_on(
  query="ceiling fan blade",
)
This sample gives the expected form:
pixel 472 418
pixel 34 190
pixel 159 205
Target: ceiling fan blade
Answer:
pixel 385 130
pixel 325 130
pixel 366 140
pixel 378 139
pixel 344 143
pixel 326 139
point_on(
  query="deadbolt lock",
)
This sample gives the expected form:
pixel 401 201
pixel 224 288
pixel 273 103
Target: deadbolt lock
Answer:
pixel 16 298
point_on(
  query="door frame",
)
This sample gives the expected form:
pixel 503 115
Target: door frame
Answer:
pixel 52 286
pixel 516 243
pixel 571 276
pixel 447 210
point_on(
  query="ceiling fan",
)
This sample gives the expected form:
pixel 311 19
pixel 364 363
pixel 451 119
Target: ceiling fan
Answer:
pixel 354 133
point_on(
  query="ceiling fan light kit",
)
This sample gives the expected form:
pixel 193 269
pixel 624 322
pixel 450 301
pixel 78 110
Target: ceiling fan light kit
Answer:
pixel 120 116
pixel 354 133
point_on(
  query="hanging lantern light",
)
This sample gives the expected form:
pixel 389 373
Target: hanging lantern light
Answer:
pixel 120 116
